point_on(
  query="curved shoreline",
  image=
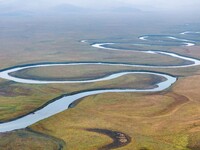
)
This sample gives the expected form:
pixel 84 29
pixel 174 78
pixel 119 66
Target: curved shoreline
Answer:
pixel 181 41
pixel 73 93
pixel 6 74
pixel 196 62
pixel 63 102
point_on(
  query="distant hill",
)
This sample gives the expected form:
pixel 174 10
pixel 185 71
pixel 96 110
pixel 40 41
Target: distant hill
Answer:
pixel 30 8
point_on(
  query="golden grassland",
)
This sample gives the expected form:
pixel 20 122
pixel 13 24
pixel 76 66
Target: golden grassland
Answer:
pixel 28 140
pixel 138 112
pixel 157 121
pixel 19 99
pixel 166 120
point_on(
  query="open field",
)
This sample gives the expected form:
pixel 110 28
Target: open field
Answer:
pixel 20 99
pixel 167 120
pixel 29 140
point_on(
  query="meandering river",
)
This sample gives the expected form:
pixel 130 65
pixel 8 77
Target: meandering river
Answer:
pixel 63 102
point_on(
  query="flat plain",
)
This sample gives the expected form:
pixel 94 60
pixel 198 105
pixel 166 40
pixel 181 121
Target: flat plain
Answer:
pixel 126 121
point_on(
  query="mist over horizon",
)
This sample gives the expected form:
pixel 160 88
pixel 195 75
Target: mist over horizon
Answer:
pixel 111 14
pixel 176 7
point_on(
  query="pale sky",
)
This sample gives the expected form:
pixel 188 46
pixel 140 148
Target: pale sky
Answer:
pixel 170 5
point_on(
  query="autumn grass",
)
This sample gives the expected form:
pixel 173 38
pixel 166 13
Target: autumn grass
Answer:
pixel 154 121
pixel 134 114
pixel 19 99
pixel 28 140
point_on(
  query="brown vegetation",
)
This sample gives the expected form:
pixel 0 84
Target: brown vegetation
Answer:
pixel 166 120
pixel 29 140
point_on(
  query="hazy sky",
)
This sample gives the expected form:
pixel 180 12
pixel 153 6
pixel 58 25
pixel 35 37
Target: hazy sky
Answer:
pixel 170 5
